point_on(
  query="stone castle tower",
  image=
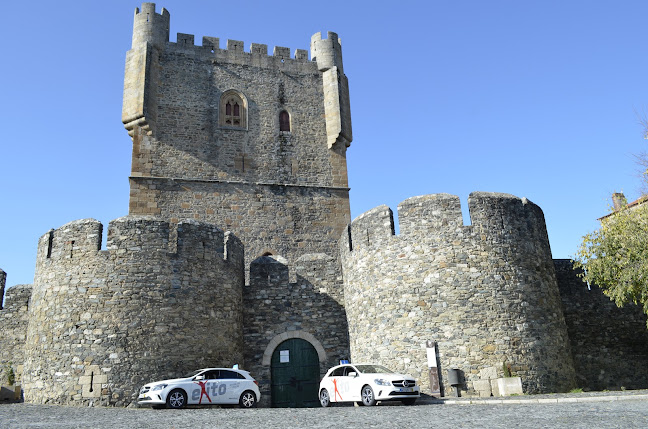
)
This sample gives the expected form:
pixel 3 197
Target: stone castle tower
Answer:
pixel 255 144
pixel 102 321
pixel 251 142
pixel 238 249
pixel 486 293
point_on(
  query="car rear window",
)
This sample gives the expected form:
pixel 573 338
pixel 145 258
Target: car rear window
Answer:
pixel 225 374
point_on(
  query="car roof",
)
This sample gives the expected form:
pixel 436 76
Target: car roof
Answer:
pixel 356 364
pixel 226 369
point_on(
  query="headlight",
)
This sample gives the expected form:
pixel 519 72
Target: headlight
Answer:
pixel 159 387
pixel 382 382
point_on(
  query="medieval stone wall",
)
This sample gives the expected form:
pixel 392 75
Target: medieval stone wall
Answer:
pixel 14 316
pixel 299 300
pixel 103 323
pixel 284 220
pixel 609 344
pixel 486 293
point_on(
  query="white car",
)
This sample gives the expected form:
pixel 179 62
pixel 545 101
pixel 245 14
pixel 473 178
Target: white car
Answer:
pixel 208 386
pixel 366 384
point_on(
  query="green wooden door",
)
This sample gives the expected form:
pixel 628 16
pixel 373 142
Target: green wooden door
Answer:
pixel 295 374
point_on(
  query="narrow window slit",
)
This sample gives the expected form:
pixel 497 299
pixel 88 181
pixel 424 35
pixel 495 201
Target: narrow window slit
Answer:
pixel 284 121
pixel 50 243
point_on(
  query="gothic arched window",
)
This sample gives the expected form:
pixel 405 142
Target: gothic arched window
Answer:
pixel 284 121
pixel 233 110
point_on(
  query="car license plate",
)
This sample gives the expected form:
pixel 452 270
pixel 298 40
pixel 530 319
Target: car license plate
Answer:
pixel 406 389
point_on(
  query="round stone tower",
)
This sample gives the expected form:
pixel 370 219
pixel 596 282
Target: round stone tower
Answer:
pixel 151 27
pixel 485 293
pixel 105 322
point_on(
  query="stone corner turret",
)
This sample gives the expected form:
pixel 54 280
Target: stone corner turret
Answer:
pixel 328 55
pixel 150 27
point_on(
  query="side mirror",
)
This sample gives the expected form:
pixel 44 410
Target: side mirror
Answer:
pixel 199 377
pixel 353 374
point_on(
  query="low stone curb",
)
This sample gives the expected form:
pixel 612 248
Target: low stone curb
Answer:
pixel 532 400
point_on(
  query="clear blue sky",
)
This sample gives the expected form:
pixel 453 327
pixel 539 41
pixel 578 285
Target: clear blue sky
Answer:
pixel 531 98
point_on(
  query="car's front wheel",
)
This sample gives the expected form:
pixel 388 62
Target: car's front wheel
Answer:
pixel 176 399
pixel 247 400
pixel 325 399
pixel 368 397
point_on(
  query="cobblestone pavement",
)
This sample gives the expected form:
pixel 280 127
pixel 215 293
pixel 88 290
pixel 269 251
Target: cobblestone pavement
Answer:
pixel 602 410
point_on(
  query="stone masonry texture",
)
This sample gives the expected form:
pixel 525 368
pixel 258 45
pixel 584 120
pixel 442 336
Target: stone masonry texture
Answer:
pixel 281 192
pixel 232 246
pixel 609 344
pixel 486 293
pixel 104 322
pixel 279 301
pixel 14 317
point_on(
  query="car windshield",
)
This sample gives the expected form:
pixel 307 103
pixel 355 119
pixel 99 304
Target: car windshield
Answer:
pixel 373 369
pixel 193 374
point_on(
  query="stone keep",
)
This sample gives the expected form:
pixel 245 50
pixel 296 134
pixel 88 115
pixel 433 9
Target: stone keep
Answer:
pixel 282 190
pixel 486 293
pixel 275 174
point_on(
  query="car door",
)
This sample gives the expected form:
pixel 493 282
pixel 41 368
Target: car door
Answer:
pixel 230 386
pixel 213 386
pixel 355 383
pixel 333 385
pixel 345 384
pixel 201 387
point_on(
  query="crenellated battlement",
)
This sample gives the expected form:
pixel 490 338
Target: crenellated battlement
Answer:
pixel 327 52
pixel 149 26
pixel 135 234
pixel 235 50
pixel 495 217
pixel 154 62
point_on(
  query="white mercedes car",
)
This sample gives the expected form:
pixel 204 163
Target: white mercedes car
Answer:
pixel 208 386
pixel 366 384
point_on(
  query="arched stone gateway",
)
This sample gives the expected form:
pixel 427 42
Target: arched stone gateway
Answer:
pixel 294 373
pixel 295 360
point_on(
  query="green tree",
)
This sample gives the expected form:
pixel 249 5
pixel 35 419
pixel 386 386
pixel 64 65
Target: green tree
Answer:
pixel 615 257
